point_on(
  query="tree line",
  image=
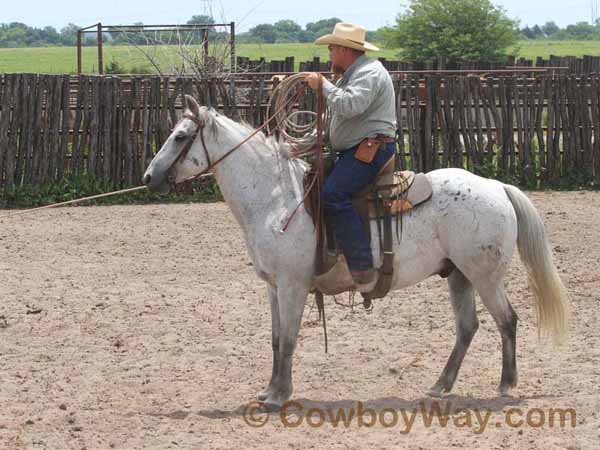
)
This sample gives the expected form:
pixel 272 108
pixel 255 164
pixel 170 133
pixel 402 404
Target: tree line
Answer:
pixel 581 31
pixel 13 35
pixel 16 34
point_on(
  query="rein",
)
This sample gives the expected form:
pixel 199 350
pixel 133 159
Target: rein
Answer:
pixel 321 253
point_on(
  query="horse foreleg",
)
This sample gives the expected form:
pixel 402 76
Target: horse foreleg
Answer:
pixel 272 293
pixel 462 297
pixel 291 298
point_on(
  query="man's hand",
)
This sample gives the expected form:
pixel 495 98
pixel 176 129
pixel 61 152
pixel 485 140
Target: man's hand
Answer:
pixel 312 78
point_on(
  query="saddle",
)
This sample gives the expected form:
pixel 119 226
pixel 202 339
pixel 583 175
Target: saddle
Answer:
pixel 390 195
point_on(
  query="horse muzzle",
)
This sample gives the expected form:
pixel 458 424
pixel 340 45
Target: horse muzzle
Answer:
pixel 157 182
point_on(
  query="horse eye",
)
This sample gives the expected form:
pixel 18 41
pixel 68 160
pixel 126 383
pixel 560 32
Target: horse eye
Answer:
pixel 180 137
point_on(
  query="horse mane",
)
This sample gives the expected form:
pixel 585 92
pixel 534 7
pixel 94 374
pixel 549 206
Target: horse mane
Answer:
pixel 277 145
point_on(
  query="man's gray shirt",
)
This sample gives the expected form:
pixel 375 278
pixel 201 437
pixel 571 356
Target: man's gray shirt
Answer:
pixel 362 103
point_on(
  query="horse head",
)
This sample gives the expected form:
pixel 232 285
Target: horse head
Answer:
pixel 185 153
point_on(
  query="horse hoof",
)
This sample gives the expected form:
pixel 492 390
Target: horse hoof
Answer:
pixel 270 406
pixel 435 394
pixel 263 395
pixel 275 401
pixel 504 392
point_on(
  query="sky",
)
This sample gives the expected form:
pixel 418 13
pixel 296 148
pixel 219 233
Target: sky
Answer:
pixel 371 14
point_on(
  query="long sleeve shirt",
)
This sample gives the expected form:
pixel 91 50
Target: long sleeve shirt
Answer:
pixel 362 103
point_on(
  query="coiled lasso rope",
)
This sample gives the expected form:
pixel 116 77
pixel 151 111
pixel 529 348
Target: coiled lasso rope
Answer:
pixel 293 125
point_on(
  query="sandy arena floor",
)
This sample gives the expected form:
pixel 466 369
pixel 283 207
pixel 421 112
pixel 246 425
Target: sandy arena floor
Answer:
pixel 145 327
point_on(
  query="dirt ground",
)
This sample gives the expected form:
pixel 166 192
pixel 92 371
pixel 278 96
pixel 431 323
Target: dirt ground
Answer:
pixel 145 327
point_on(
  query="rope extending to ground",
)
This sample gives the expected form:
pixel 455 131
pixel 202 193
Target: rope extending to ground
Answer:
pixel 72 202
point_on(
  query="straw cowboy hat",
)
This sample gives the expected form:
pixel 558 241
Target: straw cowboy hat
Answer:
pixel 347 35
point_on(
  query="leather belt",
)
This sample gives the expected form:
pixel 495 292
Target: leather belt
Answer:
pixel 377 137
pixel 383 138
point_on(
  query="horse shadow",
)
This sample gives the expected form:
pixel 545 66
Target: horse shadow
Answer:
pixel 303 406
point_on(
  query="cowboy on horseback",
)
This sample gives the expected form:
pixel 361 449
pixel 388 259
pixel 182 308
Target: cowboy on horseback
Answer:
pixel 470 224
pixel 361 133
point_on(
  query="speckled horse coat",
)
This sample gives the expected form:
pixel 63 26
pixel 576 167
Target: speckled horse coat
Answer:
pixel 474 222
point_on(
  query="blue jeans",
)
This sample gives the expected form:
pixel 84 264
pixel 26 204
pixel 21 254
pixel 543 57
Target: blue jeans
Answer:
pixel 349 177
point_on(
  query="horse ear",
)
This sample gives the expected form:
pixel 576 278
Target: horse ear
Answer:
pixel 192 105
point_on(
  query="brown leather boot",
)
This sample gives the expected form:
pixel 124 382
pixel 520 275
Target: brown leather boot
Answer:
pixel 336 280
pixel 363 276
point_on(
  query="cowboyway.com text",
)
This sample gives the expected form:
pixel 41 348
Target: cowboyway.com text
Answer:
pixel 294 414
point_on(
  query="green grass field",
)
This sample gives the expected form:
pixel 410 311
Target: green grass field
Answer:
pixel 533 49
pixel 64 59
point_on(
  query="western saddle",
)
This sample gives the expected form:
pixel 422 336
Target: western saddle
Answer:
pixel 390 195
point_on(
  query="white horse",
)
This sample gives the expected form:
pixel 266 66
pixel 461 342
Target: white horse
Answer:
pixel 473 222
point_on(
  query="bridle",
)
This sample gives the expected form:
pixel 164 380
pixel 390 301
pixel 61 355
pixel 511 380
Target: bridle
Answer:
pixel 192 138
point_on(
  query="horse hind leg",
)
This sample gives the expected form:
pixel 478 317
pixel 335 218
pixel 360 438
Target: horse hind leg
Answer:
pixel 496 302
pixel 462 297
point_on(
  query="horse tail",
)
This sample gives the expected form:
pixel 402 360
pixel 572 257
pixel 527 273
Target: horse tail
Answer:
pixel 548 290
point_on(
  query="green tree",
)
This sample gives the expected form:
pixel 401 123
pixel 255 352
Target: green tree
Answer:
pixel 18 34
pixel 68 34
pixel 130 37
pixel 203 20
pixel 528 33
pixel 550 28
pixel 264 32
pixel 455 29
pixel 50 36
pixel 582 31
pixel 537 32
pixel 534 32
pixel 320 28
pixel 287 31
